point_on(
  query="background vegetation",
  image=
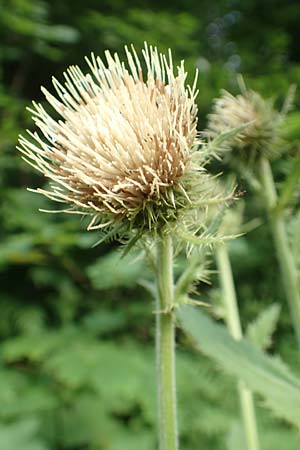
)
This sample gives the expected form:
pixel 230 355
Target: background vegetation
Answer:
pixel 76 356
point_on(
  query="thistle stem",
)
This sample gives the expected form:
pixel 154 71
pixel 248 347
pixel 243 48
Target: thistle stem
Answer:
pixel 235 329
pixel 165 346
pixel 286 262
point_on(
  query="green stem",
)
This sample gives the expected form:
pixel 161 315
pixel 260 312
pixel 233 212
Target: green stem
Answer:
pixel 285 258
pixel 165 346
pixel 234 326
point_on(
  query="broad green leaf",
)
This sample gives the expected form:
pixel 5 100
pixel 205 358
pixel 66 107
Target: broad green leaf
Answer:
pixel 265 375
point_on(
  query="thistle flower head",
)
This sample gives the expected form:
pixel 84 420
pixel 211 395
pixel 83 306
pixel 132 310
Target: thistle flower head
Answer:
pixel 261 120
pixel 125 149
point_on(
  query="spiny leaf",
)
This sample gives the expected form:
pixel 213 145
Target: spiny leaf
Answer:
pixel 130 244
pixel 196 270
pixel 263 374
pixel 260 331
pixel 204 239
pixel 288 101
pixel 288 188
pixel 217 221
pixel 107 236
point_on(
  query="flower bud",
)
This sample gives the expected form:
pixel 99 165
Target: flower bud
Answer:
pixel 259 136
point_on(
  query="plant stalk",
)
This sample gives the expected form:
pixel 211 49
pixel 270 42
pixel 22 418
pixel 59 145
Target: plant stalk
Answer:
pixel 285 258
pixel 165 346
pixel 235 329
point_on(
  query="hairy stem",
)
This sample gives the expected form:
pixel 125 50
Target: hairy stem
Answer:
pixel 285 258
pixel 235 329
pixel 165 346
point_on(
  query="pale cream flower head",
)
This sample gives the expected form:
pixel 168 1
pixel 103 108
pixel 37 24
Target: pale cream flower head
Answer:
pixel 259 136
pixel 125 151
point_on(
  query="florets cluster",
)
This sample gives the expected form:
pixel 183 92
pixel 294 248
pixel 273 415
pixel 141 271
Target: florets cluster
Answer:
pixel 125 148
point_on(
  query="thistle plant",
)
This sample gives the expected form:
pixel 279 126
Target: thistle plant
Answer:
pixel 125 153
pixel 255 146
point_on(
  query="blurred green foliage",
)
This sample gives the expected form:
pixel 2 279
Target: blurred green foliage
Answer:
pixel 76 359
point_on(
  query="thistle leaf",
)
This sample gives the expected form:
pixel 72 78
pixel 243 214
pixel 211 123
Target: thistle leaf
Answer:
pixel 260 331
pixel 204 239
pixel 265 375
pixel 289 100
pixel 288 188
pixel 196 270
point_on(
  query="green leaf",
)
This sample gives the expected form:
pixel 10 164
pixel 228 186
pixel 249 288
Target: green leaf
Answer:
pixel 111 271
pixel 19 250
pixel 294 238
pixel 204 240
pixel 104 321
pixel 20 436
pixel 289 128
pixel 260 331
pixel 265 375
pixel 288 188
pixel 196 270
